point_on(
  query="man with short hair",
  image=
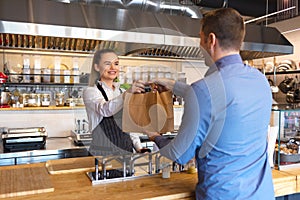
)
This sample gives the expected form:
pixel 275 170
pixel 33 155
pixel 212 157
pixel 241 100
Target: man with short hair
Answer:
pixel 226 117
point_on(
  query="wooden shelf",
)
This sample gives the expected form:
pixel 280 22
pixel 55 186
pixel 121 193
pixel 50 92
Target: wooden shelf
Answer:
pixel 44 108
pixel 47 84
pixel 283 72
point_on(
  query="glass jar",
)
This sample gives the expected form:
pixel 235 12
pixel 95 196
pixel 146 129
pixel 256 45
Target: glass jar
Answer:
pixel 23 99
pixel 32 100
pixel 45 100
pixel 70 102
pixel 60 99
pixel 79 102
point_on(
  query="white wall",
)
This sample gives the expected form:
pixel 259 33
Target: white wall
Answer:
pixel 194 70
pixel 58 123
pixel 291 30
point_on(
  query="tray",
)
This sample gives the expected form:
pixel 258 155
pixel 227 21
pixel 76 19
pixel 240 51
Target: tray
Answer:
pixel 289 158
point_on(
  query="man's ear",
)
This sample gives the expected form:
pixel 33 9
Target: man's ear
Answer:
pixel 212 39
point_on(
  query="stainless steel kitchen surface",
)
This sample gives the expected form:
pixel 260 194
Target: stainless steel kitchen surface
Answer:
pixel 176 36
pixel 55 148
pixel 128 167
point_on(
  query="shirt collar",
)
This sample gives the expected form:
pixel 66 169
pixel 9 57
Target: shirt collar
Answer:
pixel 103 84
pixel 224 61
pixel 228 60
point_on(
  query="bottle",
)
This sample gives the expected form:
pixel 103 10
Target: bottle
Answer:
pixel 46 75
pixel 192 167
pixel 67 76
pixel 56 69
pixel 75 71
pixel 75 75
pixel 26 69
pixel 15 97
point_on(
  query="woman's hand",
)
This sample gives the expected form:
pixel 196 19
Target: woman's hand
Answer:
pixel 144 150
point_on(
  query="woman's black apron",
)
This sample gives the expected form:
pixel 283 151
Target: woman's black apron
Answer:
pixel 108 138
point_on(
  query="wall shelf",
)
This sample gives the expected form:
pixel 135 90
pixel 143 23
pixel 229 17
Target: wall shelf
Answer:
pixel 283 72
pixel 44 108
pixel 8 84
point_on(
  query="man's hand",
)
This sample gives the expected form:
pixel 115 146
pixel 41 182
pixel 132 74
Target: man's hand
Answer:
pixel 137 87
pixel 164 84
pixel 151 135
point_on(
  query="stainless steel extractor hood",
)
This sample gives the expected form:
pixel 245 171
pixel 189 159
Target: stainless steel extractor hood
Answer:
pixel 83 25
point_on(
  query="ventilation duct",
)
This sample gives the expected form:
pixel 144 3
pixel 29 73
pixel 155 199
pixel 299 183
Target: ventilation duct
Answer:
pixel 170 7
pixel 253 8
pixel 125 26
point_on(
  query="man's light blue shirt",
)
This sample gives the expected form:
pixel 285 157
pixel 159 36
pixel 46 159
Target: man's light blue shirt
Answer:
pixel 225 124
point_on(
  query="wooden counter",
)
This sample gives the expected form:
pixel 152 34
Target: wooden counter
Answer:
pixel 295 172
pixel 284 183
pixel 76 184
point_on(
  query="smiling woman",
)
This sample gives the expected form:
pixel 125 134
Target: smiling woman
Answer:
pixel 103 101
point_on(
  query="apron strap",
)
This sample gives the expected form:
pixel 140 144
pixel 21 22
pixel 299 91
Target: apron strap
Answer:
pixel 102 91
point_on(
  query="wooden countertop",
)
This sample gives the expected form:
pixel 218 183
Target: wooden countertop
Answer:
pixel 284 183
pixel 295 172
pixel 76 184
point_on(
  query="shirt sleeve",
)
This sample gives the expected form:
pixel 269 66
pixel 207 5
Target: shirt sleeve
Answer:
pixel 136 141
pixel 183 147
pixel 160 141
pixel 97 107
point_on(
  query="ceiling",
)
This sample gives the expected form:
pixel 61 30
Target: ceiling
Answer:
pixel 249 9
pixel 254 8
pixel 156 32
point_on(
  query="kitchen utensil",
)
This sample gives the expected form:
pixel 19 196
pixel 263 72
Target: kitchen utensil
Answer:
pixel 287 84
pixel 5 97
pixel 3 77
pixel 287 65
pixel 60 99
pixel 274 87
pixel 293 96
pixel 268 67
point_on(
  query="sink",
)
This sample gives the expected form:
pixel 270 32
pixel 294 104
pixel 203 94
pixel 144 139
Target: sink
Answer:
pixel 113 175
pixel 110 174
pixel 126 171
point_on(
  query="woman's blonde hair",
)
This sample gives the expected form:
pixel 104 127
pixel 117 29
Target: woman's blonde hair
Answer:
pixel 95 75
